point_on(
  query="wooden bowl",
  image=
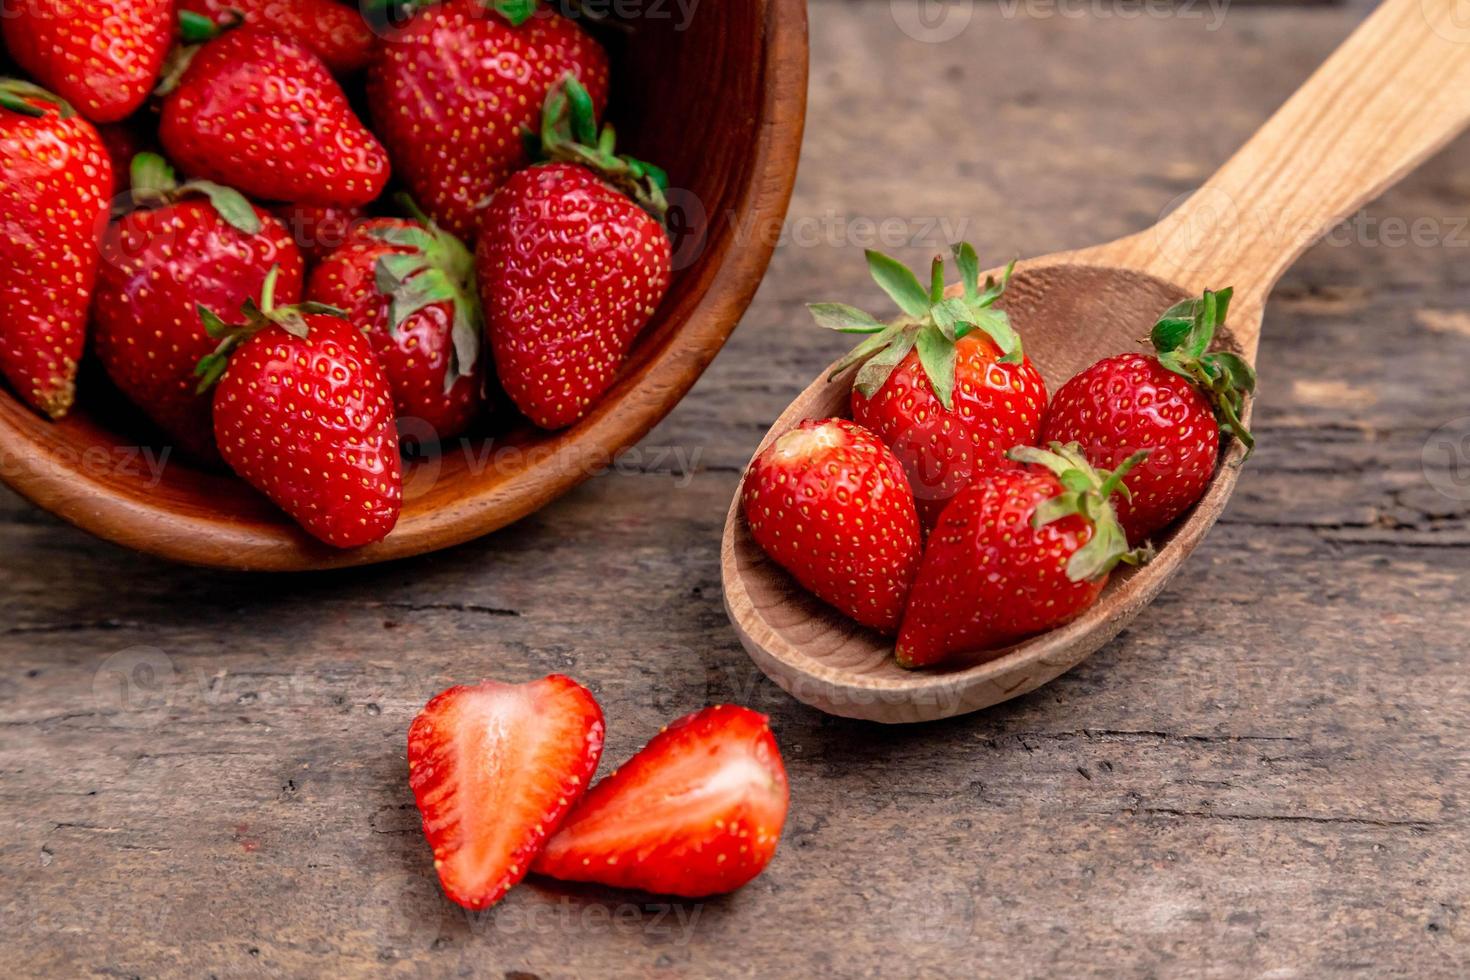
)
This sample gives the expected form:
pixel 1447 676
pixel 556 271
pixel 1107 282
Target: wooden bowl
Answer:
pixel 720 103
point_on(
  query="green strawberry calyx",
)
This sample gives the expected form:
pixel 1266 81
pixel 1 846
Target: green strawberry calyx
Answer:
pixel 154 184
pixel 20 96
pixel 257 317
pixel 195 30
pixel 931 323
pixel 569 134
pixel 1087 492
pixel 432 267
pixel 1182 337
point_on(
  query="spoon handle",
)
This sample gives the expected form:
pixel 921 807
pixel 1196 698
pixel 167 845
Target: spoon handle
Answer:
pixel 1397 90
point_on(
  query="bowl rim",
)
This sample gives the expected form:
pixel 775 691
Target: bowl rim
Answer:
pixel 33 463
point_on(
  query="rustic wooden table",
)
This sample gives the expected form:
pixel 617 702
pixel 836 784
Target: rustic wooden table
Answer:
pixel 203 774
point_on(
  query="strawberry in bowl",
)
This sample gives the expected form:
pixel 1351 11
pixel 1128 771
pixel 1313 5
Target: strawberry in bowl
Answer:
pixel 311 113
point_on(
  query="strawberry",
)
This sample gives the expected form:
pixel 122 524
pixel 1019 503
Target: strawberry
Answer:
pixel 1167 404
pixel 335 33
pixel 453 89
pixel 494 769
pixel 318 228
pixel 55 186
pixel 698 811
pixel 102 56
pixel 1018 552
pixel 304 414
pixel 830 504
pixel 186 245
pixel 412 286
pixel 946 385
pixel 262 114
pixel 570 267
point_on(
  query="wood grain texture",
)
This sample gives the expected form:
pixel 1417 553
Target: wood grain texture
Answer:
pixel 1262 776
pixel 729 136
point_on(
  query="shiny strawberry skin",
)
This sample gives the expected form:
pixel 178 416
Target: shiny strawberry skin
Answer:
pixel 56 42
pixel 830 504
pixel 335 32
pixel 996 408
pixel 1130 402
pixel 570 272
pixel 158 267
pixel 988 577
pixel 55 189
pixel 261 113
pixel 452 90
pixel 309 423
pixel 416 357
pixel 318 229
pixel 495 768
pixel 698 811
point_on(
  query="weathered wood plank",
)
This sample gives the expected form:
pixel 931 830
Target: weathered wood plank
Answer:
pixel 203 773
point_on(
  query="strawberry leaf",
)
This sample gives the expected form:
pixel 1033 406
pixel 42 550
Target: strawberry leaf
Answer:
pixel 150 175
pixel 843 318
pixel 231 205
pixel 937 355
pixel 515 12
pixel 872 375
pixel 899 282
pixel 969 265
pixel 1087 493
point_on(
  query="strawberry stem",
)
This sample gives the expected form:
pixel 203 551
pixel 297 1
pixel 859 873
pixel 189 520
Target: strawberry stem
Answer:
pixel 931 323
pixel 1087 493
pixel 257 317
pixel 154 184
pixel 569 134
pixel 432 267
pixel 1182 338
pixel 20 97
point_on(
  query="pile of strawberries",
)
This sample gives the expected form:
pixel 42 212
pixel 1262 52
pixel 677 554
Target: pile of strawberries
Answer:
pixel 962 510
pixel 280 307
pixel 499 772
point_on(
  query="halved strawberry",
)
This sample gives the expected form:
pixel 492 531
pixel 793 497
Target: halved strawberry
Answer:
pixel 697 812
pixel 494 769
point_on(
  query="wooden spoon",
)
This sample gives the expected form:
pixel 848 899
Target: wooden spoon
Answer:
pixel 1397 90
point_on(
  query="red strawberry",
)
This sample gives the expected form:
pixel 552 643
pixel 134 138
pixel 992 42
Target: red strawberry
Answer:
pixel 494 769
pixel 102 56
pixel 1166 404
pixel 55 186
pixel 190 245
pixel 318 228
pixel 830 504
pixel 452 90
pixel 1016 553
pixel 335 33
pixel 304 414
pixel 261 113
pixel 697 812
pixel 946 386
pixel 570 267
pixel 412 285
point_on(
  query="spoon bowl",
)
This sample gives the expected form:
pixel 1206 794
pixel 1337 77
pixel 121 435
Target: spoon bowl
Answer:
pixel 1395 92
